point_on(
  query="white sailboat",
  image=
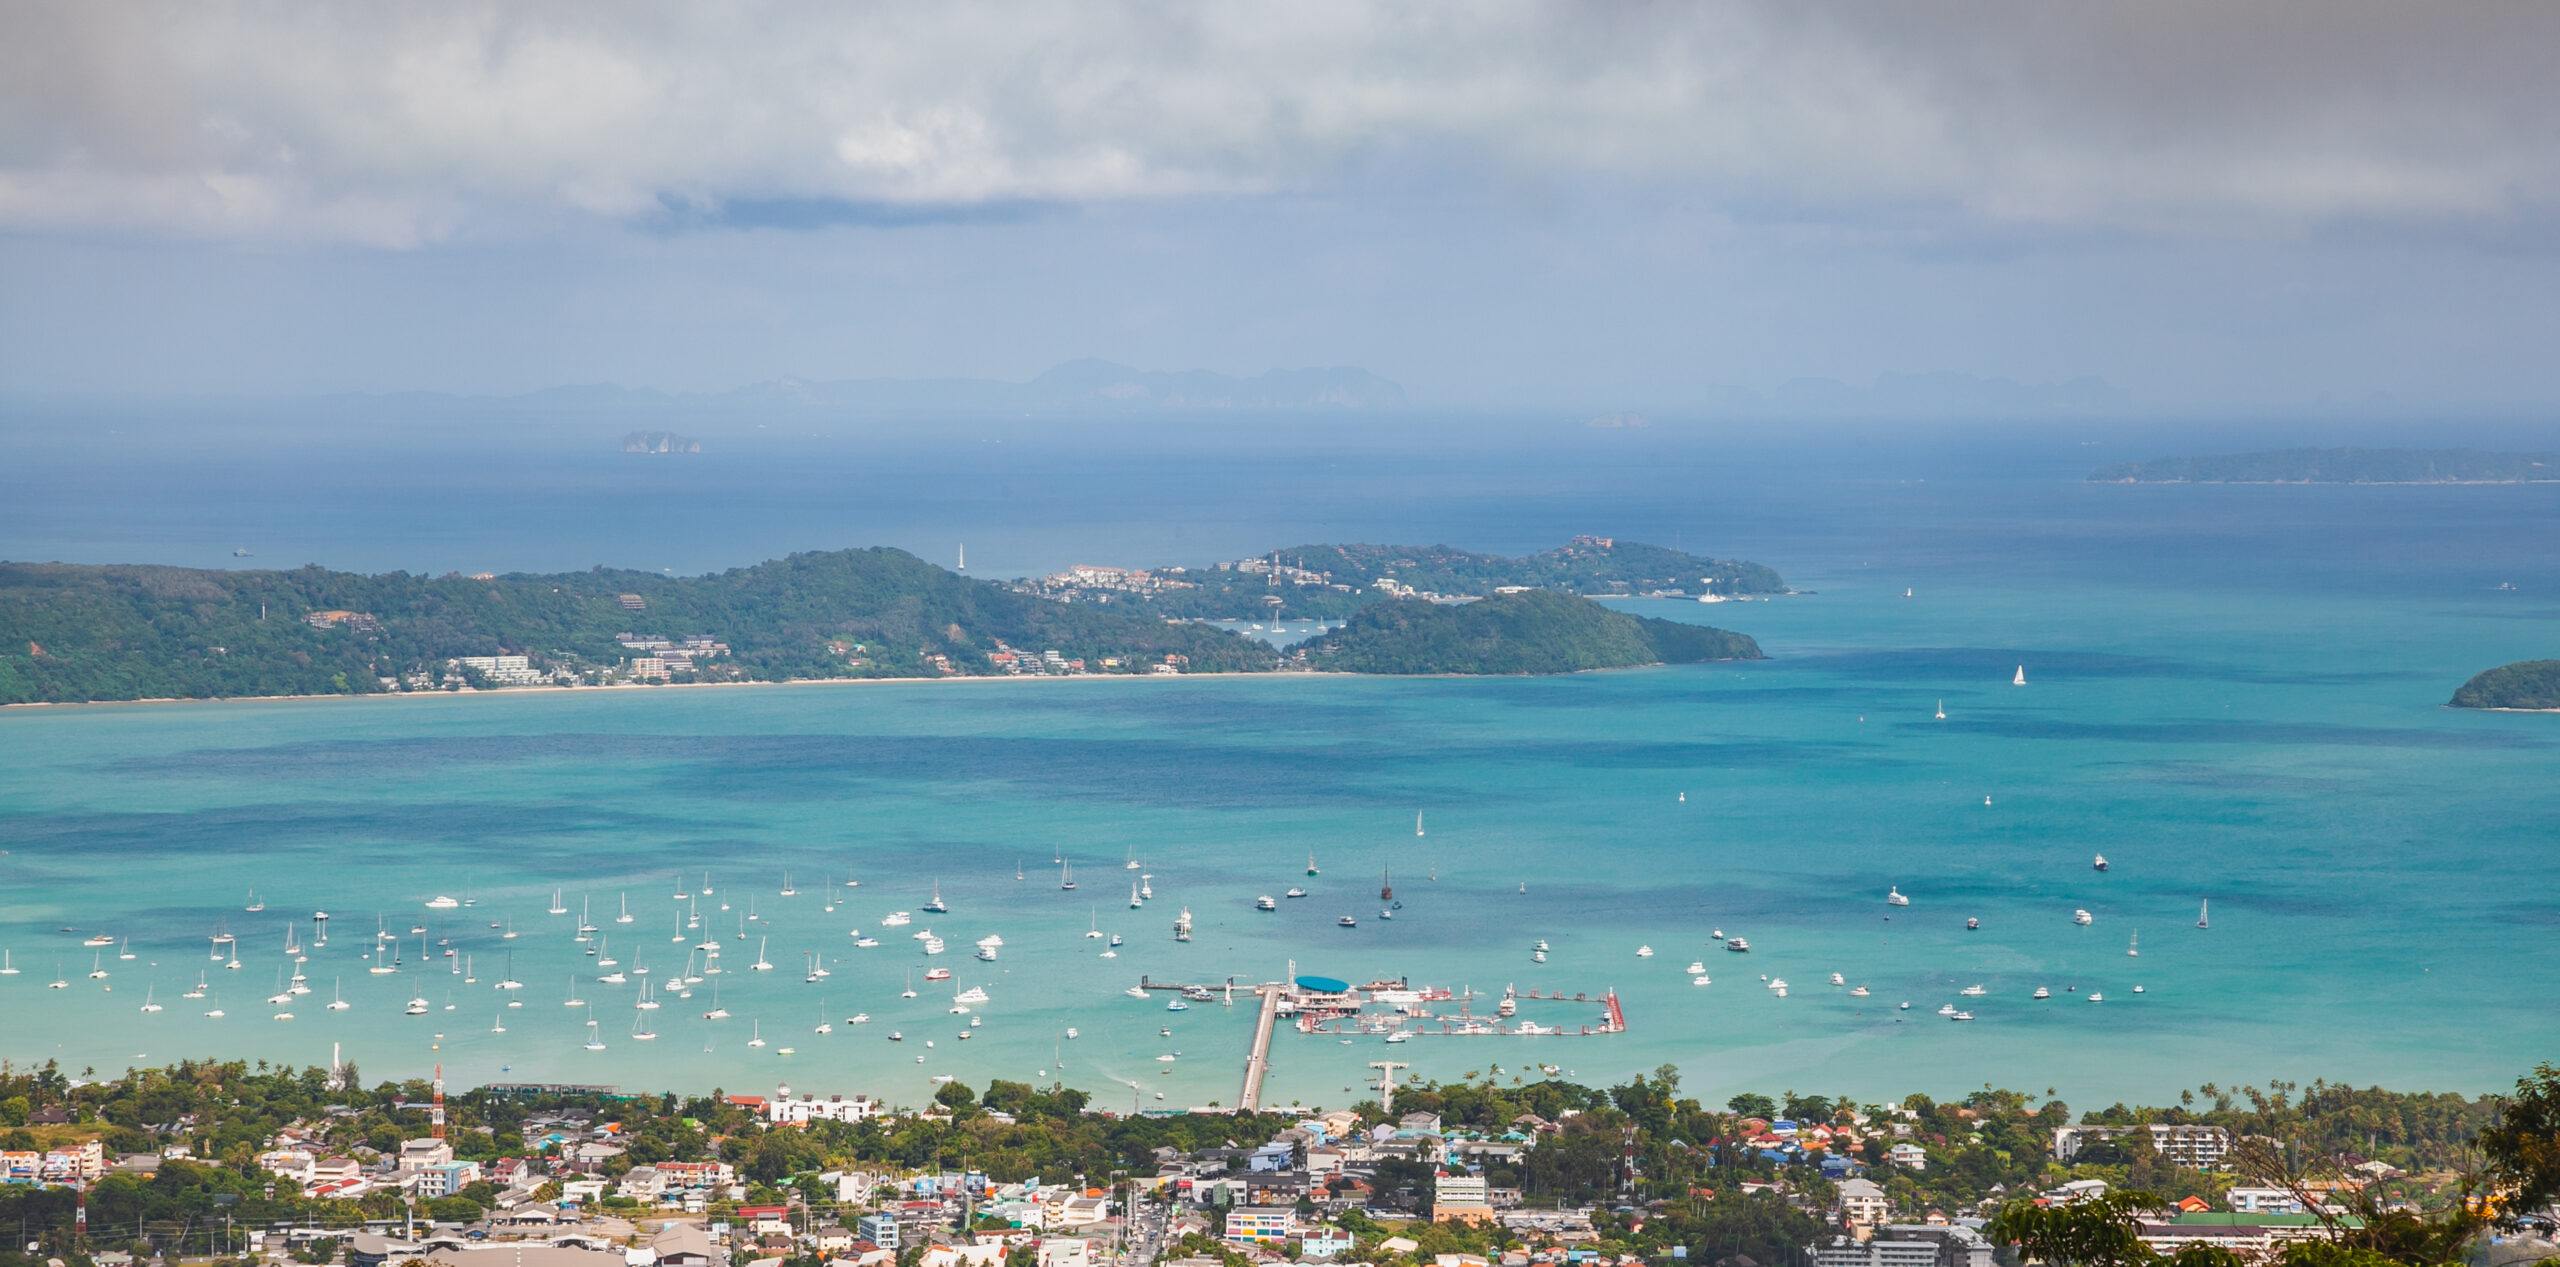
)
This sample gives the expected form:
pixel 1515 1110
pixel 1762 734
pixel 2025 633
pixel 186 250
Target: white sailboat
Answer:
pixel 1417 822
pixel 558 907
pixel 2133 950
pixel 1066 876
pixel 1942 710
pixel 2020 679
pixel 2203 919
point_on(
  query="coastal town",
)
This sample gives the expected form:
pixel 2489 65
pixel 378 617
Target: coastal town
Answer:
pixel 221 1164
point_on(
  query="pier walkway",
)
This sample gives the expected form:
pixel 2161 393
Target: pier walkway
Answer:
pixel 1257 1061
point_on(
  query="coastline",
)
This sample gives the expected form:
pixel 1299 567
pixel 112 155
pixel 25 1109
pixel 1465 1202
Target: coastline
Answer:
pixel 530 692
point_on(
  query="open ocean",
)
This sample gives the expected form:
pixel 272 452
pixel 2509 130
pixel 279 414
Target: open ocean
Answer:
pixel 2236 694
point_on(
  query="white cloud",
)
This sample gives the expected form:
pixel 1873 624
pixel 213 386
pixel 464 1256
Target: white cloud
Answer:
pixel 401 125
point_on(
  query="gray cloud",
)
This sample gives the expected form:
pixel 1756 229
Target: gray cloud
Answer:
pixel 399 126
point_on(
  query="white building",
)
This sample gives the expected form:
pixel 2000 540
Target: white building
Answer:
pixel 2193 1145
pixel 786 1107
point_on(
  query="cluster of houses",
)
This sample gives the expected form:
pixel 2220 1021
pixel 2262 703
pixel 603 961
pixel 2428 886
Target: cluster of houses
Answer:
pixel 1088 583
pixel 657 659
pixel 571 1197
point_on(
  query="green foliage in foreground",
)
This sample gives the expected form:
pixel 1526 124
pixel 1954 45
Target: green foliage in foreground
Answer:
pixel 2523 684
pixel 1534 631
pixel 75 632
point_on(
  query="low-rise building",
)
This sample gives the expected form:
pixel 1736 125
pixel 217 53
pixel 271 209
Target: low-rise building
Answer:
pixel 1260 1224
pixel 1906 1245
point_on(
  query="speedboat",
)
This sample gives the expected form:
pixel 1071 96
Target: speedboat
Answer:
pixel 1946 1009
pixel 1700 979
pixel 1973 991
pixel 2041 993
pixel 1738 945
pixel 1176 1005
pixel 1295 892
pixel 2082 917
pixel 1644 952
pixel 1961 1016
pixel 1347 922
pixel 2098 863
pixel 1695 967
pixel 2096 997
pixel 1858 992
pixel 1264 903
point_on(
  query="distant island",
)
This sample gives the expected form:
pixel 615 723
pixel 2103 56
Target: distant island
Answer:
pixel 659 442
pixel 2340 466
pixel 2526 684
pixel 1521 632
pixel 80 633
pixel 1330 582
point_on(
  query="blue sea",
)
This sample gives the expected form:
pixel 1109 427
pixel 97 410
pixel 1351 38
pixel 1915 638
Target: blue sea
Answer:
pixel 2235 694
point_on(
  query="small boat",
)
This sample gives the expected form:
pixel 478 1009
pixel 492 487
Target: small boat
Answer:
pixel 1903 1006
pixel 1311 863
pixel 1537 956
pixel 2137 989
pixel 1893 897
pixel 1974 991
pixel 1684 798
pixel 1115 940
pixel 2020 678
pixel 1836 978
pixel 1858 992
pixel 1295 892
pixel 858 1018
pixel 1700 979
pixel 2098 863
pixel 937 974
pixel 1986 802
pixel 1697 966
pixel 1347 922
pixel 1176 1005
pixel 1264 903
pixel 1961 1016
pixel 2096 997
pixel 2082 917
pixel 1130 859
pixel 1644 952
pixel 1398 1036
pixel 1946 1009
pixel 1972 924
pixel 1738 945
pixel 936 906
pixel 440 902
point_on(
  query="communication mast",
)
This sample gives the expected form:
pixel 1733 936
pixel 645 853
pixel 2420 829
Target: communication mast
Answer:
pixel 435 1108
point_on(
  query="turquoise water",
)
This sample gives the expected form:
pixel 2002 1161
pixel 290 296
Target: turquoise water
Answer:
pixel 2235 695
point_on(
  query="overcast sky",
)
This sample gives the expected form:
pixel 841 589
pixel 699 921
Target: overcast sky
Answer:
pixel 2210 205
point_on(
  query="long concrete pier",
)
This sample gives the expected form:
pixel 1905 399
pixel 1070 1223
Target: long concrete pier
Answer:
pixel 1257 1061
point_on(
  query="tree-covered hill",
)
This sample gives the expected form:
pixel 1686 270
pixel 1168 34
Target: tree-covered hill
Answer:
pixel 1531 631
pixel 2524 684
pixel 77 632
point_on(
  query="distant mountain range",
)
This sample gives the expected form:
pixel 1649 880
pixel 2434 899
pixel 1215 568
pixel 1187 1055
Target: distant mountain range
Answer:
pixel 1077 387
pixel 2340 466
